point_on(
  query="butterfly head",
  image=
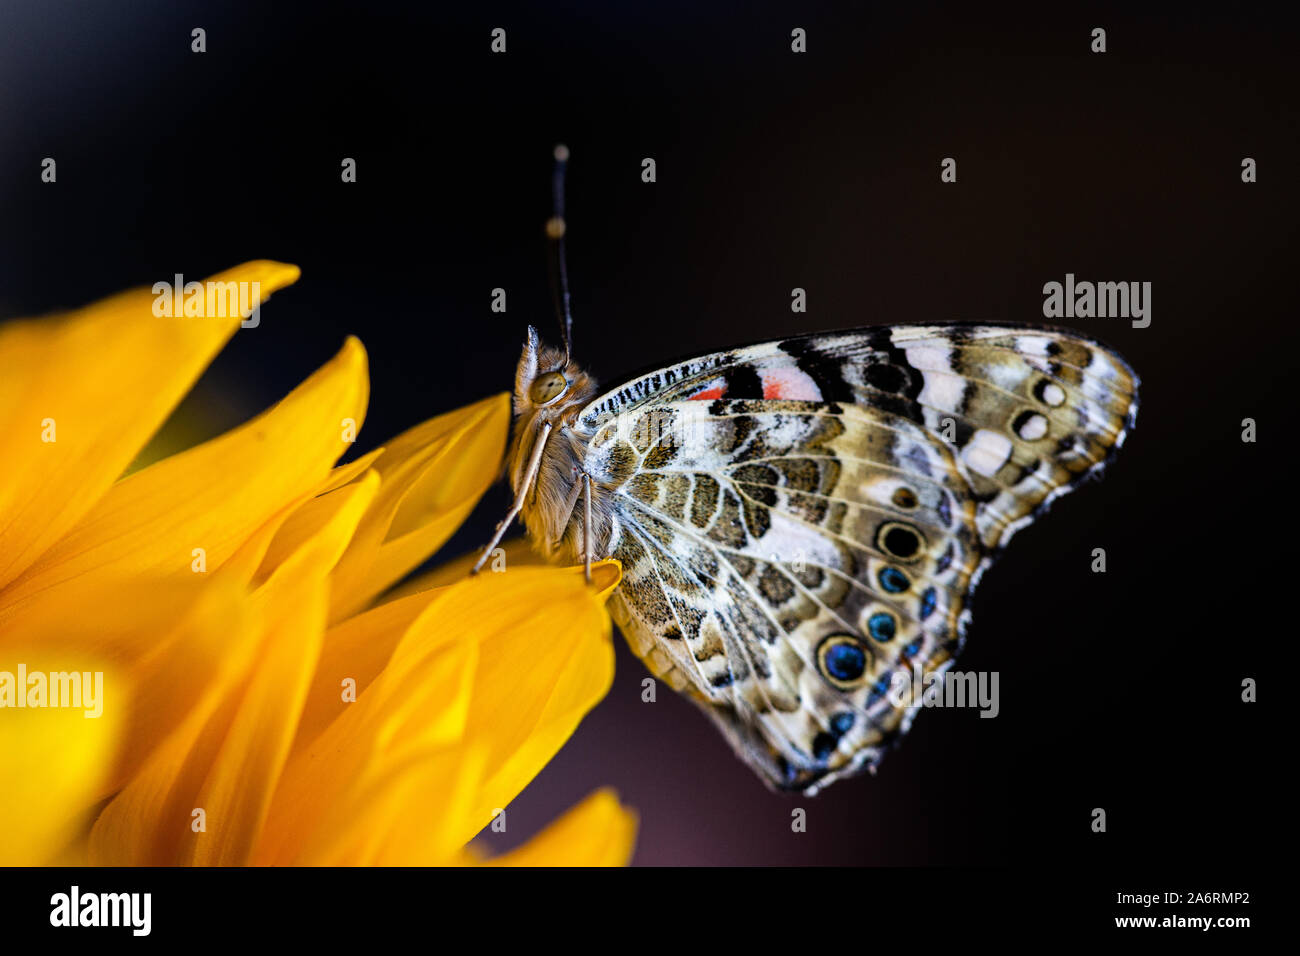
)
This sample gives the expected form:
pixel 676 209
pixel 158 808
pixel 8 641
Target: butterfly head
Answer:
pixel 550 393
pixel 547 383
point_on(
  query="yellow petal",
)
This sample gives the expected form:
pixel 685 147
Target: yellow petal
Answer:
pixel 238 790
pixel 99 380
pixel 212 497
pixel 53 762
pixel 358 647
pixel 409 840
pixel 355 650
pixel 309 518
pixel 226 758
pixel 149 822
pixel 600 831
pixel 340 475
pixel 433 475
pixel 372 776
pixel 495 673
pixel 545 663
pixel 516 553
pixel 167 643
pixel 545 659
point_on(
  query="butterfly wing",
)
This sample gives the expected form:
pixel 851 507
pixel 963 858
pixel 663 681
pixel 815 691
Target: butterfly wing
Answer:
pixel 801 523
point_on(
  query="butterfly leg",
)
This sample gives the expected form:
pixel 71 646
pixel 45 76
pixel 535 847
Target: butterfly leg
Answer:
pixel 570 503
pixel 534 463
pixel 586 527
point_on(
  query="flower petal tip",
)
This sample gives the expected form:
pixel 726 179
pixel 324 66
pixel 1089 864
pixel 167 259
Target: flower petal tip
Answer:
pixel 605 577
pixel 352 350
pixel 269 274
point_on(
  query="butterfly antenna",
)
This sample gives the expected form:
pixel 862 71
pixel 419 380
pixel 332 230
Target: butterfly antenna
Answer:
pixel 555 229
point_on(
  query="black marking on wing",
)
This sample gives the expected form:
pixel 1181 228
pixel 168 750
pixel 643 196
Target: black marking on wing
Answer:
pixel 826 371
pixel 742 382
pixel 898 384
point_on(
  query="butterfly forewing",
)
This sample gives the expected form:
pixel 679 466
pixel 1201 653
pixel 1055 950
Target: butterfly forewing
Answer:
pixel 801 522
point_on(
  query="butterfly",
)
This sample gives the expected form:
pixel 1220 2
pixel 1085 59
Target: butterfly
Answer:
pixel 801 522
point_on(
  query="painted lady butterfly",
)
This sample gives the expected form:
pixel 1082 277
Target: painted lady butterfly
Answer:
pixel 800 521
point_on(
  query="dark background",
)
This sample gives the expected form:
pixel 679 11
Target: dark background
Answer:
pixel 775 170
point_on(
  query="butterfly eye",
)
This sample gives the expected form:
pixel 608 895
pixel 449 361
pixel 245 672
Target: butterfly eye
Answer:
pixel 547 388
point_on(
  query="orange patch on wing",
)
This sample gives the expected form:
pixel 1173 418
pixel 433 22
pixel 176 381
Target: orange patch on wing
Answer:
pixel 789 383
pixel 708 394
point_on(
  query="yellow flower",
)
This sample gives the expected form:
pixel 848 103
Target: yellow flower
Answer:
pixel 257 705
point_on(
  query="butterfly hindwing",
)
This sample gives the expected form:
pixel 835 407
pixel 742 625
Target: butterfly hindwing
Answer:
pixel 785 561
pixel 801 522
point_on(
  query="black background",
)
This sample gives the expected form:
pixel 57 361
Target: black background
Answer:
pixel 775 170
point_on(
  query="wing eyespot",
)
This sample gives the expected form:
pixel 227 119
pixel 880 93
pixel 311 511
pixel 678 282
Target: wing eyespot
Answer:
pixel 905 498
pixel 1030 426
pixel 893 580
pixel 928 601
pixel 882 626
pixel 842 660
pixel 900 541
pixel 1049 393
